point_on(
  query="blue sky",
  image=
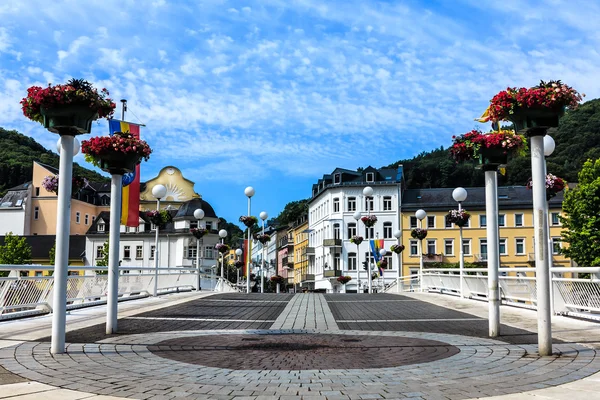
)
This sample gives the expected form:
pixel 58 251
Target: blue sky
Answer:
pixel 276 93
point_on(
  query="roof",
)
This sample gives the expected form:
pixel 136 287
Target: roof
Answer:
pixel 15 197
pixel 41 245
pixel 50 168
pixel 187 209
pixel 23 186
pixel 440 199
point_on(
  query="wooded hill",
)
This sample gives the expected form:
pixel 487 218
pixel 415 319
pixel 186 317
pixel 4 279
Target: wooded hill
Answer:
pixel 17 153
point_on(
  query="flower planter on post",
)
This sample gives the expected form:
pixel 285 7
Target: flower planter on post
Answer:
pixel 66 110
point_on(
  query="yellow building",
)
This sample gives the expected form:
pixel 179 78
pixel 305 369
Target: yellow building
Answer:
pixel 301 250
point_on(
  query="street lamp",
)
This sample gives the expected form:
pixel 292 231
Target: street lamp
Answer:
pixel 198 214
pixel 368 192
pixel 549 146
pixel 222 235
pixel 420 214
pixel 398 236
pixel 249 192
pixel 263 216
pixel 76 146
pixel 459 195
pixel 158 191
pixel 238 253
pixel 357 218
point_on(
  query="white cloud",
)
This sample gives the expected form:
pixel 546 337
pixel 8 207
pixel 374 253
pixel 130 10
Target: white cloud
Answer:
pixel 74 47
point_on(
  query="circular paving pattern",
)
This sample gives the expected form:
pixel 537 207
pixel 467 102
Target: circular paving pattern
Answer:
pixel 302 352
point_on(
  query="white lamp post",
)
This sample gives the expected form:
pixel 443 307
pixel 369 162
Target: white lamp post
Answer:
pixel 357 218
pixel 158 191
pixel 420 214
pixel 238 253
pixel 368 192
pixel 198 214
pixel 263 216
pixel 459 195
pixel 398 236
pixel 222 235
pixel 249 192
pixel 549 146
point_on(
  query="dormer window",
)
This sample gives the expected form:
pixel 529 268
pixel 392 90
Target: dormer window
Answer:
pixel 337 179
pixel 101 227
pixel 370 177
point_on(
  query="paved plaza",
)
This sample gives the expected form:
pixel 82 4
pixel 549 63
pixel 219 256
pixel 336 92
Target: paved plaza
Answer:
pixel 303 346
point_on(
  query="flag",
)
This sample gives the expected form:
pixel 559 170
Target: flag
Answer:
pixel 130 194
pixel 377 245
pixel 381 272
pixel 485 117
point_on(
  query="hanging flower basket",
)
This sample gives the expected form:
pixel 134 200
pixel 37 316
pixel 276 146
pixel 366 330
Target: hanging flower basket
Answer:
pixel 458 217
pixel 198 233
pixel 374 275
pixel 50 183
pixel 357 240
pixel 488 148
pixel 382 263
pixel 159 218
pixel 418 233
pixel 278 279
pixel 116 154
pixel 369 220
pixel 238 264
pixel 397 248
pixel 248 220
pixel 344 279
pixel 263 238
pixel 554 185
pixel 69 108
pixel 222 248
pixel 539 106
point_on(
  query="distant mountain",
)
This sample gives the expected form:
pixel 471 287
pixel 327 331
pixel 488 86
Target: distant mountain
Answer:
pixel 577 139
pixel 17 153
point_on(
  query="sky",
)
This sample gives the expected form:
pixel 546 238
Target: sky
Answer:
pixel 274 94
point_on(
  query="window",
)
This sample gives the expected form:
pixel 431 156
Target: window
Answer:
pixel 502 246
pixel 87 219
pixel 152 226
pixel 431 246
pixel 208 252
pixel 209 225
pixel 430 221
pixel 387 203
pixel 336 205
pixel 519 246
pixel 39 273
pixel 483 247
pixel 501 220
pixel 99 252
pixel 351 229
pixel 555 220
pixel 191 252
pixel 466 246
pixel 448 223
pixel 388 259
pixel 482 221
pixel 518 219
pixel 336 261
pixel 370 232
pixel 414 247
pixel 449 247
pixel 556 245
pixel 413 222
pixel 351 261
pixel 370 177
pixel 193 224
pixel 337 178
pixel 101 226
pixel 152 250
pixel 36 212
pixel 336 231
pixel 351 203
pixel 127 252
pixel 387 230
pixel 37 191
pixel 368 203
pixel 139 252
pixel 93 218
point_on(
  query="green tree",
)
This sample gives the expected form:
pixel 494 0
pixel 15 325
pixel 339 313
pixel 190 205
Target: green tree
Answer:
pixel 52 254
pixel 103 261
pixel 581 219
pixel 292 211
pixel 15 250
pixel 235 235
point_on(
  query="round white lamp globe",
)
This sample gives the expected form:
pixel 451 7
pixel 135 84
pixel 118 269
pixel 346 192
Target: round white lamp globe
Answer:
pixel 263 215
pixel 368 191
pixel 398 234
pixel 357 215
pixel 223 233
pixel 383 252
pixel 239 252
pixel 76 146
pixel 199 213
pixel 420 214
pixel 459 194
pixel 249 191
pixel 159 191
pixel 549 145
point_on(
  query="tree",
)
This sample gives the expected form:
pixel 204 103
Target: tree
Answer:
pixel 103 262
pixel 581 207
pixel 292 211
pixel 15 250
pixel 52 254
pixel 235 235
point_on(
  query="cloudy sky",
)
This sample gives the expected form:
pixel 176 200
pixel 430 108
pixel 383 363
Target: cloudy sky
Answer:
pixel 276 93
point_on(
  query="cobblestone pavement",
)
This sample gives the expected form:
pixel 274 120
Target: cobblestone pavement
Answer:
pixel 430 352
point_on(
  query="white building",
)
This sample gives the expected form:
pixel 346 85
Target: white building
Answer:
pixel 335 200
pixel 15 210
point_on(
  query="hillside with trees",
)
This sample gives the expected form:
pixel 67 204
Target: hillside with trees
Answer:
pixel 17 153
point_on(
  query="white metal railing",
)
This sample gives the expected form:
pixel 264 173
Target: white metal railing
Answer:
pixel 570 296
pixel 29 295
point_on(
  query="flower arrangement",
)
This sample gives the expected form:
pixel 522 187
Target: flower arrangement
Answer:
pixel 554 185
pixel 418 233
pixel 552 96
pixel 475 145
pixel 357 240
pixel 263 238
pixel 199 233
pixel 159 218
pixel 50 183
pixel 344 279
pixel 277 279
pixel 116 147
pixel 382 263
pixel 369 220
pixel 238 264
pixel 397 248
pixel 374 275
pixel 222 248
pixel 248 220
pixel 458 217
pixel 76 92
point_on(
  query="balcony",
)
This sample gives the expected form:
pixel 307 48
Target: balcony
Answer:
pixel 481 258
pixel 307 277
pixel 309 251
pixel 433 258
pixel 332 273
pixel 332 242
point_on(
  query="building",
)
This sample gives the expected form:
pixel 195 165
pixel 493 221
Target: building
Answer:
pixel 301 253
